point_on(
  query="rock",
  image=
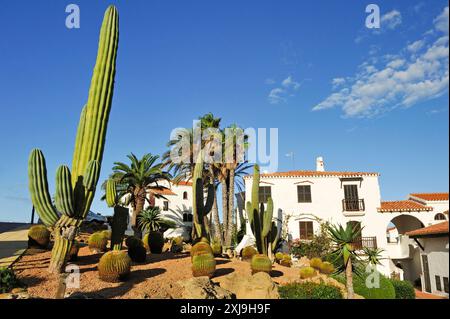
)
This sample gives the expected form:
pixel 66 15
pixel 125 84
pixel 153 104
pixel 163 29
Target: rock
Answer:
pixel 202 288
pixel 257 286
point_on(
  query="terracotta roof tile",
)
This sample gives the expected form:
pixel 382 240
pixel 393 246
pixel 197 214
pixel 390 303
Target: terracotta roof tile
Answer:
pixel 437 229
pixel 182 183
pixel 161 190
pixel 314 174
pixel 402 206
pixel 431 196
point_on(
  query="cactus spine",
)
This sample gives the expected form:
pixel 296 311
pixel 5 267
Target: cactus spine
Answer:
pixel 120 217
pixel 260 219
pixel 199 207
pixel 73 200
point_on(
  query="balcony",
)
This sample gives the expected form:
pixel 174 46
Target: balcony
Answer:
pixel 353 205
pixel 365 242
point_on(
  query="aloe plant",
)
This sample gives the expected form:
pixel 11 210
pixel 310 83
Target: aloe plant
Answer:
pixel 75 189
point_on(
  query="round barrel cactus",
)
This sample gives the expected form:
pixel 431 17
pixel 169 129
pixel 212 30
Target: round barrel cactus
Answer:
pixel 286 260
pixel 38 236
pixel 216 249
pixel 155 242
pixel 307 272
pixel 278 256
pixel 315 263
pixel 326 268
pixel 201 248
pixel 248 252
pixel 107 234
pixel 261 263
pixel 137 253
pixel 114 266
pixel 133 242
pixel 97 242
pixel 203 265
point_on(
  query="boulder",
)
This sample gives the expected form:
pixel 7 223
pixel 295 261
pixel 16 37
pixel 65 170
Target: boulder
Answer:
pixel 202 288
pixel 257 286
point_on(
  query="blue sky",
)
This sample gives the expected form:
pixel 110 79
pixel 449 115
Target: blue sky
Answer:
pixel 365 100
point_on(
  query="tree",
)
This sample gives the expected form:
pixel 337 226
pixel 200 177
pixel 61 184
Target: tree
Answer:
pixel 151 219
pixel 373 255
pixel 136 179
pixel 343 253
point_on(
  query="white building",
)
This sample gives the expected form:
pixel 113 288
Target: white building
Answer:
pixel 175 202
pixel 433 244
pixel 307 197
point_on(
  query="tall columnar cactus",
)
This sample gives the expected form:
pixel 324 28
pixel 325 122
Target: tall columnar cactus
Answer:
pixel 260 219
pixel 200 208
pixel 120 217
pixel 75 189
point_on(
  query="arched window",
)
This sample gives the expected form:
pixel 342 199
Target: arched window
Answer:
pixel 185 195
pixel 439 216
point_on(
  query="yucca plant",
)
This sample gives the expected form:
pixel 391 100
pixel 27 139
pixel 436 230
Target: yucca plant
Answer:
pixel 344 252
pixel 373 255
pixel 151 219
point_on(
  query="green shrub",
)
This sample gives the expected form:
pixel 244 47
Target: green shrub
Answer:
pixel 319 246
pixel 8 280
pixel 384 291
pixel 309 290
pixel 403 289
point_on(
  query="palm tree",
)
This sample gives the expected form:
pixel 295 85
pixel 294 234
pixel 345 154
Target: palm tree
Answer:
pixel 152 220
pixel 343 253
pixel 136 179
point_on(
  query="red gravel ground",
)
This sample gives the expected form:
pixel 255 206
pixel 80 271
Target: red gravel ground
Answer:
pixel 155 278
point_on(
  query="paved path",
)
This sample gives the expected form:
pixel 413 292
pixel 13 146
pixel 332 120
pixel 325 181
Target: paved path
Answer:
pixel 424 295
pixel 13 242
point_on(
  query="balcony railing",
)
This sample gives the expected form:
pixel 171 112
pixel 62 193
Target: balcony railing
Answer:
pixel 353 205
pixel 365 242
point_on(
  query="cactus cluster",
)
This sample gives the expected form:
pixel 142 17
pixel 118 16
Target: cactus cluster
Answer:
pixel 98 242
pixel 75 189
pixel 38 237
pixel 248 252
pixel 307 272
pixel 203 264
pixel 260 219
pixel 200 208
pixel 155 242
pixel 114 266
pixel 261 263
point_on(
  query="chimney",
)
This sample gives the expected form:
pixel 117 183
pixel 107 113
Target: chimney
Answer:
pixel 319 164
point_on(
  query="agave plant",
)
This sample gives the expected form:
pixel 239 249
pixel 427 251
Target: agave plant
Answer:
pixel 373 255
pixel 151 219
pixel 344 252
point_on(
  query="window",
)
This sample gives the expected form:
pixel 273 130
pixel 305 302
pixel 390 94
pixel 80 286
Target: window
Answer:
pixel 306 230
pixel 445 284
pixel 304 193
pixel 165 205
pixel 438 283
pixel 439 216
pixel 264 193
pixel 187 217
pixel 185 195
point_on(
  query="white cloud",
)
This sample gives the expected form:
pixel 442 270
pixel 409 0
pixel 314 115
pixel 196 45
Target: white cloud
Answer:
pixel 441 22
pixel 337 82
pixel 269 81
pixel 402 80
pixel 287 88
pixel 416 46
pixel 391 20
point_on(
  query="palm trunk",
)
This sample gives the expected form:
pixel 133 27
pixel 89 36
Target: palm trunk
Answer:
pixel 216 229
pixel 140 201
pixel 225 210
pixel 349 277
pixel 230 225
pixel 64 237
